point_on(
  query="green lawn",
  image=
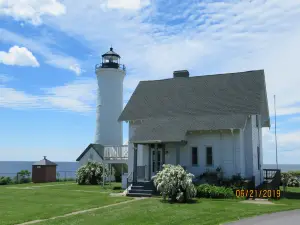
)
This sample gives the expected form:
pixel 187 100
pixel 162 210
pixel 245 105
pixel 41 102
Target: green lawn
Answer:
pixel 292 189
pixel 20 205
pixel 153 211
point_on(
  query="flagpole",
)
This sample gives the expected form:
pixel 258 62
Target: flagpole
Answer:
pixel 275 131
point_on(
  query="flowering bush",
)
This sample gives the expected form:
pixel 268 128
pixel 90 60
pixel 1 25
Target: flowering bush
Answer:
pixel 90 173
pixel 289 179
pixel 175 183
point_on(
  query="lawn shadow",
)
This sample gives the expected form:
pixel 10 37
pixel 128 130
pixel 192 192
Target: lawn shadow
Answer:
pixel 290 195
pixel 190 201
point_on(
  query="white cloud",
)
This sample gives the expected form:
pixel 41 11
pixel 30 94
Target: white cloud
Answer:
pixel 52 57
pixel 4 78
pixel 127 4
pixel 31 10
pixel 294 119
pixel 10 98
pixel 77 96
pixel 288 147
pixel 64 62
pixel 18 56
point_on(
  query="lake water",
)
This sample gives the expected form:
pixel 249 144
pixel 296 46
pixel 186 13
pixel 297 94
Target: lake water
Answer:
pixel 67 169
pixel 283 167
pixel 11 168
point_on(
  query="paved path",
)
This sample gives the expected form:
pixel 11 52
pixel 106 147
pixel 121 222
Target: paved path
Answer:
pixel 286 218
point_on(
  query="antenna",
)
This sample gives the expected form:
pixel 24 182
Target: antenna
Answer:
pixel 275 131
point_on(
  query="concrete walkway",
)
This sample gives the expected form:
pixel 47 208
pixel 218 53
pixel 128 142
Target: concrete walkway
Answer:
pixel 287 217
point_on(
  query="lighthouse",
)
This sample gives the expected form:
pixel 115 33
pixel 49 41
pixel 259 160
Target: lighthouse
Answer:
pixel 110 75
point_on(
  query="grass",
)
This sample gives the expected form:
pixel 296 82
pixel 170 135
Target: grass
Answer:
pixel 20 205
pixel 153 211
pixel 292 189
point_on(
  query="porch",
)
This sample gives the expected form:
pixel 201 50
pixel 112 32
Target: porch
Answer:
pixel 156 157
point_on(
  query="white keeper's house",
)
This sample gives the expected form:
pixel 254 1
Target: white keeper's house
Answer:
pixel 199 122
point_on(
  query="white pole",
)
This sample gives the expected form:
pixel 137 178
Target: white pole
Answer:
pixel 275 131
pixel 110 174
pixel 103 169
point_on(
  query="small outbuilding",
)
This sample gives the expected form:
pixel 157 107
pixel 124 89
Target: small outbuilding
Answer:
pixel 44 171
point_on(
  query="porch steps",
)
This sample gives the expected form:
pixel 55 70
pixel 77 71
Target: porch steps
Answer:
pixel 141 189
pixel 138 195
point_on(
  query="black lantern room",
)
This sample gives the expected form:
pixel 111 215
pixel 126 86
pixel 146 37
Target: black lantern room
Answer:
pixel 111 59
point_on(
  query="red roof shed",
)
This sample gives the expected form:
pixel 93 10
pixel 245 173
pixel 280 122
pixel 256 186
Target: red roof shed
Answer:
pixel 44 171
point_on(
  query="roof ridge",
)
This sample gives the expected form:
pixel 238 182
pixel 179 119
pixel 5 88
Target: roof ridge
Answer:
pixel 207 75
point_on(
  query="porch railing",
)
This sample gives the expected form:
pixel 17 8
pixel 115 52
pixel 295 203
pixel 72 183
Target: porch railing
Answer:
pixel 116 152
pixel 272 177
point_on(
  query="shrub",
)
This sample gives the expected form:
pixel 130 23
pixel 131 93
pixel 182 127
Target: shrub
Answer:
pixel 23 177
pixel 212 191
pixel 90 173
pixel 293 182
pixel 175 183
pixel 289 179
pixel 5 180
pixel 295 173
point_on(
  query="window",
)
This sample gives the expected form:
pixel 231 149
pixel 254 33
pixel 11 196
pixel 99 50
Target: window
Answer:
pixel 194 156
pixel 258 158
pixel 91 157
pixel 256 118
pixel 209 156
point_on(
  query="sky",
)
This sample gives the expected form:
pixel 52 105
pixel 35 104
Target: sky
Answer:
pixel 49 48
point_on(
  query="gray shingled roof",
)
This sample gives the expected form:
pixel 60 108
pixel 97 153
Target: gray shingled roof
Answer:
pixel 170 108
pixel 45 162
pixel 97 147
pixel 240 93
pixel 175 129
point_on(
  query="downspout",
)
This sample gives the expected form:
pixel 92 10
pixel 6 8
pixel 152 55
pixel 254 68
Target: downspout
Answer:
pixel 245 157
pixel 245 123
pixel 258 133
pixel 233 147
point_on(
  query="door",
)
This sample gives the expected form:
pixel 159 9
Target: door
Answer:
pixel 156 168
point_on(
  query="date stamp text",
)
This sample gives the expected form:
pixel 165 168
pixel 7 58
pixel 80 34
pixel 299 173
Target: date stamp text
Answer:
pixel 252 193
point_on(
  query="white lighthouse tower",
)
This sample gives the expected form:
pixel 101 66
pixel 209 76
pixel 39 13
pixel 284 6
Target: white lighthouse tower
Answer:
pixel 110 75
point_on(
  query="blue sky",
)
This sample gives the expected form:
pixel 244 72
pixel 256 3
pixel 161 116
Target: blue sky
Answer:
pixel 48 50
